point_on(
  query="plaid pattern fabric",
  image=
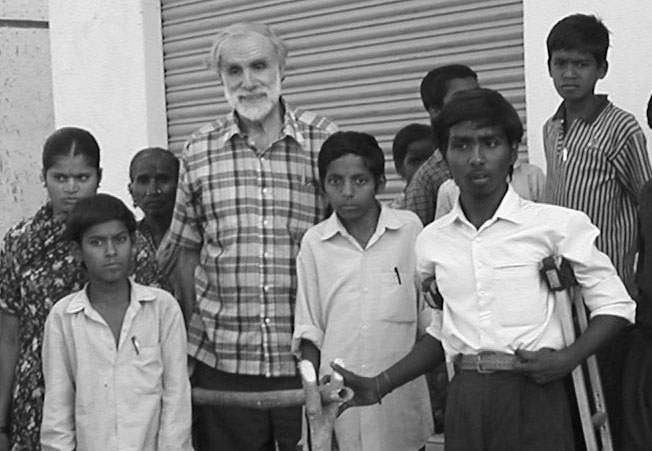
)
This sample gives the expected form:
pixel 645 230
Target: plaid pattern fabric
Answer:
pixel 421 193
pixel 247 210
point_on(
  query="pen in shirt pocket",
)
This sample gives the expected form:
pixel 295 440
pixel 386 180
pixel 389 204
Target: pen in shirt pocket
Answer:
pixel 134 341
pixel 398 275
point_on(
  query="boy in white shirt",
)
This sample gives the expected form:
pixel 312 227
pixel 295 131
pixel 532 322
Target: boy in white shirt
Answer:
pixel 357 294
pixel 498 323
pixel 114 353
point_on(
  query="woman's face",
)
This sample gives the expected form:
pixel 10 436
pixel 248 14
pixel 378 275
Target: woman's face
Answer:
pixel 69 179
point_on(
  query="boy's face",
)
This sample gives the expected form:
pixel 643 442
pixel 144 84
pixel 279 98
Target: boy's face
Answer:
pixel 454 85
pixel 417 152
pixel 350 189
pixel 107 251
pixel 575 74
pixel 479 159
pixel 154 185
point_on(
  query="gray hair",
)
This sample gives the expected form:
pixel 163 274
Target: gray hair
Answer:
pixel 246 29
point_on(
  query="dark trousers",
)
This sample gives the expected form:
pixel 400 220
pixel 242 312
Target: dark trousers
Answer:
pixel 611 363
pixel 506 411
pixel 637 393
pixel 241 429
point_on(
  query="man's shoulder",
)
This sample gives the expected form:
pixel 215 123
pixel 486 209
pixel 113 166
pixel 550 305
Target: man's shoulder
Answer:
pixel 310 120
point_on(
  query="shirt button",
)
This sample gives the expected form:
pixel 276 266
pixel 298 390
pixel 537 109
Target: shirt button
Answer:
pixel 265 222
pixel 364 327
pixel 264 190
pixel 266 254
pixel 267 321
pixel 266 288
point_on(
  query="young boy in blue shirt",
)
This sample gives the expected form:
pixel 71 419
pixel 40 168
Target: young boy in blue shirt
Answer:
pixel 114 353
pixel 357 295
pixel 597 163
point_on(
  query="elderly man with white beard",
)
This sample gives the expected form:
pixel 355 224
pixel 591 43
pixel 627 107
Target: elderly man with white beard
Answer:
pixel 248 190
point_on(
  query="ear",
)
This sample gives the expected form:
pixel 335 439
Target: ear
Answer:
pixel 548 67
pixel 41 178
pixel 99 176
pixel 514 153
pixel 380 186
pixel 131 193
pixel 602 70
pixel 433 112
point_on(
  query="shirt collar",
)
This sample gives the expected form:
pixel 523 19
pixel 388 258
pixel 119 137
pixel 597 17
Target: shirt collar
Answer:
pixel 509 210
pixel 290 125
pixel 589 116
pixel 387 220
pixel 139 293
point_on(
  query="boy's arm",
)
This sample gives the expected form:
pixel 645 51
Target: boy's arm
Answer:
pixel 308 315
pixel 187 261
pixel 633 165
pixel 546 365
pixel 8 359
pixel 58 425
pixel 424 357
pixel 175 425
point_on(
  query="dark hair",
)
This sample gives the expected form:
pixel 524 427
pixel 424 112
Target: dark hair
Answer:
pixel 435 84
pixel 147 151
pixel 582 33
pixel 68 141
pixel 483 107
pixel 406 136
pixel 361 144
pixel 94 210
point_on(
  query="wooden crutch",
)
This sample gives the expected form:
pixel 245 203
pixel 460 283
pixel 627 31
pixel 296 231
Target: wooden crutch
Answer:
pixel 564 286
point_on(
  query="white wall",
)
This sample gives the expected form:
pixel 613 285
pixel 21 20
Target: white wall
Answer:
pixel 629 79
pixel 26 115
pixel 107 71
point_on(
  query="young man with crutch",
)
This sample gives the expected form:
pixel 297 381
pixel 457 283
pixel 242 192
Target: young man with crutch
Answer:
pixel 498 323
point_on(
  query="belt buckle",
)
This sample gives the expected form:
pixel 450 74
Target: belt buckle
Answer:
pixel 479 367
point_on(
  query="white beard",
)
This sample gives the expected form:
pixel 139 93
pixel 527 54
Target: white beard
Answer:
pixel 255 110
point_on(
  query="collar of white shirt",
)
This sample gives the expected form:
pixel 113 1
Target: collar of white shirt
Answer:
pixel 387 220
pixel 139 293
pixel 509 209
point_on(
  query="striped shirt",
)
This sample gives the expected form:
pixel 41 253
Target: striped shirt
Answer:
pixel 421 193
pixel 598 164
pixel 246 210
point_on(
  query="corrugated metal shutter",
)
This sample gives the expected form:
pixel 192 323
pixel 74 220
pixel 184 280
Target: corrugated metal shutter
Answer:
pixel 359 63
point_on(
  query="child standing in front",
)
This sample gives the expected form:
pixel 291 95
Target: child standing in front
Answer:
pixel 114 353
pixel 597 163
pixel 357 294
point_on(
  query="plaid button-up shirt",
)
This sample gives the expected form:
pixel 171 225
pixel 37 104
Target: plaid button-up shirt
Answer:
pixel 421 193
pixel 246 210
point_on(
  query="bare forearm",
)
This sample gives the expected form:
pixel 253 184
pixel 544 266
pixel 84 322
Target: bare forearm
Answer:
pixel 424 357
pixel 311 353
pixel 8 359
pixel 600 330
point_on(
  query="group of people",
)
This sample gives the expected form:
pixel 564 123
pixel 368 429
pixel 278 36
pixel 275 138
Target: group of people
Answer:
pixel 269 233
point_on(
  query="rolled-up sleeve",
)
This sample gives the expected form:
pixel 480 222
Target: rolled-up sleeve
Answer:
pixel 308 316
pixel 603 291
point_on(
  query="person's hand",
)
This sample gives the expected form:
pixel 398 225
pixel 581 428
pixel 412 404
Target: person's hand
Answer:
pixel 544 365
pixel 365 389
pixel 4 442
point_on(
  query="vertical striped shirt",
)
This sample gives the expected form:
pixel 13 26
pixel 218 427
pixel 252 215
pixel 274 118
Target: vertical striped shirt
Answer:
pixel 246 210
pixel 598 164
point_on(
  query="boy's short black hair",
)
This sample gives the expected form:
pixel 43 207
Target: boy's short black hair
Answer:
pixel 406 136
pixel 94 210
pixel 483 107
pixel 435 84
pixel 582 33
pixel 356 143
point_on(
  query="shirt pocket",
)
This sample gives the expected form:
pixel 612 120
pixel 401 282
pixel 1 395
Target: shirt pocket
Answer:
pixel 147 370
pixel 397 300
pixel 515 290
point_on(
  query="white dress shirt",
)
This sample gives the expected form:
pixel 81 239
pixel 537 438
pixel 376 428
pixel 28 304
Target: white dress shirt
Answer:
pixel 135 397
pixel 494 296
pixel 361 305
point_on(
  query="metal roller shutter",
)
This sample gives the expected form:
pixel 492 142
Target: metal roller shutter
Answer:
pixel 359 63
